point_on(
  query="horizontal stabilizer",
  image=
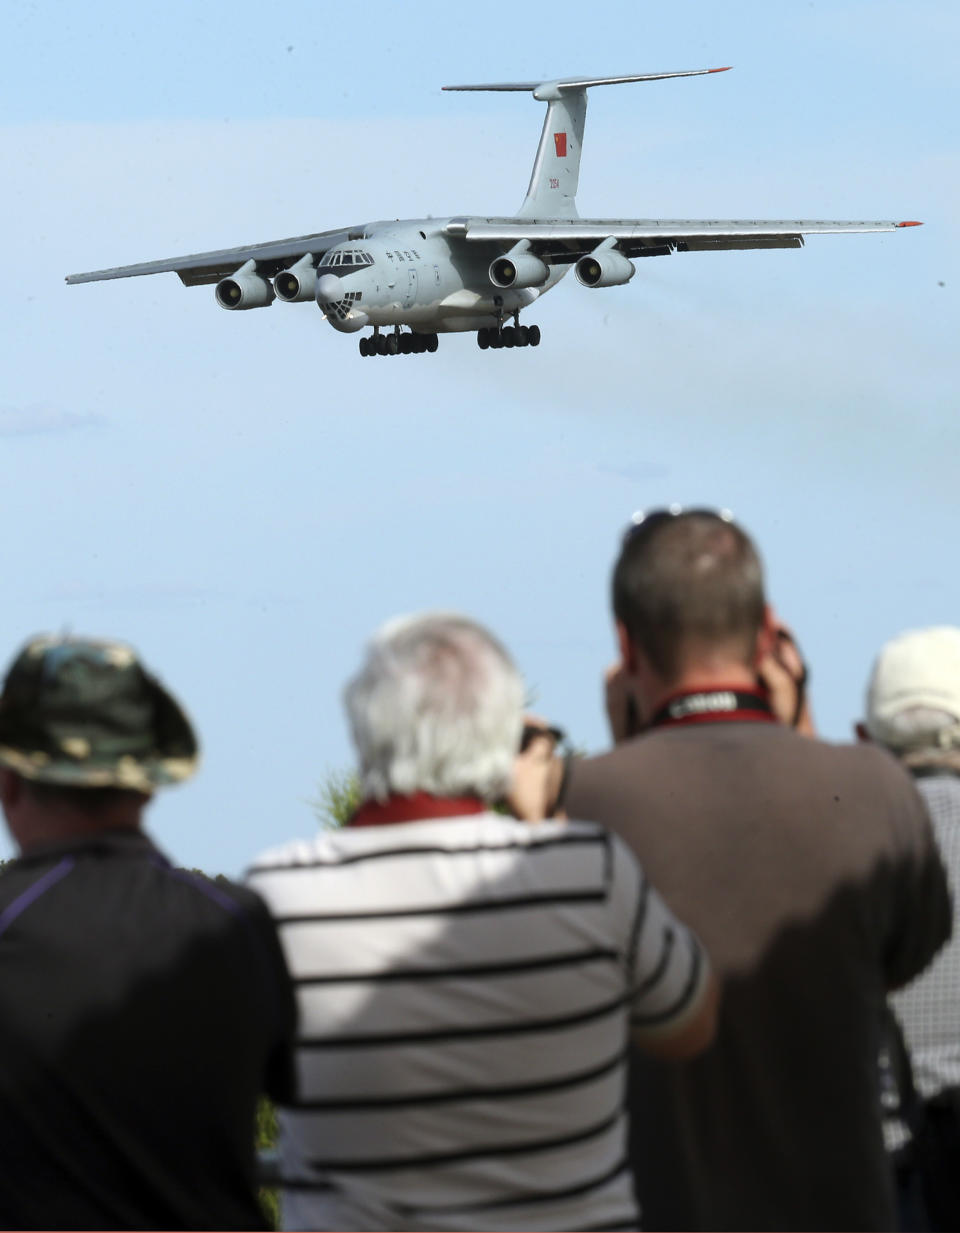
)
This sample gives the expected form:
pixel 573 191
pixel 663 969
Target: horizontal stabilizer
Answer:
pixel 581 83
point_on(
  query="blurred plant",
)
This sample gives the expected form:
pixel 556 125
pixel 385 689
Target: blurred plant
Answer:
pixel 266 1143
pixel 337 797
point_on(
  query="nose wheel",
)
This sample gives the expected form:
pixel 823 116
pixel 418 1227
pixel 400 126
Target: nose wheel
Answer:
pixel 508 336
pixel 398 344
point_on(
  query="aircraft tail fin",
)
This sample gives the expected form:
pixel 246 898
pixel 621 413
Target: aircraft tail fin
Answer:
pixel 553 185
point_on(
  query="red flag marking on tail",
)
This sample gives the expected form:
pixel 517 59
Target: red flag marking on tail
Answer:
pixel 560 141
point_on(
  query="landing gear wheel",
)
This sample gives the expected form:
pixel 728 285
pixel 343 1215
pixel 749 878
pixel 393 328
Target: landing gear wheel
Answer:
pixel 380 344
pixel 483 338
pixel 523 336
pixel 406 344
pixel 432 343
pixel 364 347
pixel 393 344
pixel 496 340
pixel 533 335
pixel 509 335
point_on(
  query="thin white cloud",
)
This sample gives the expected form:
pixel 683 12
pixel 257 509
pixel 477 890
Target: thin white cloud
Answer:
pixel 47 421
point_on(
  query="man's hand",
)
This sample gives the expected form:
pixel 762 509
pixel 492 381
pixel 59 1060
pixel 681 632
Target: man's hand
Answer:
pixel 537 774
pixel 784 674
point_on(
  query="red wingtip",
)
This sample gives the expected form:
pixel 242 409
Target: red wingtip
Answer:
pixel 725 69
pixel 910 224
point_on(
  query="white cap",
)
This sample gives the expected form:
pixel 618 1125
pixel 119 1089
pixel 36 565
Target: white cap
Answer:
pixel 920 668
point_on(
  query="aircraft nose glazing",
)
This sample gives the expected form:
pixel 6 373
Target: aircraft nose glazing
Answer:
pixel 330 289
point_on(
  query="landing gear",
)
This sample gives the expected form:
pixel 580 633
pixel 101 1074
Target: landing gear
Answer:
pixel 398 343
pixel 496 337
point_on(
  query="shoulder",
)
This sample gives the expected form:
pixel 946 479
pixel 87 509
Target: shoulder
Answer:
pixel 16 877
pixel 749 746
pixel 220 896
pixel 385 858
pixel 488 831
pixel 876 776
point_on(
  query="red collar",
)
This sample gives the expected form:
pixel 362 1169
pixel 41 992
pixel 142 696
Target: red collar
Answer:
pixel 415 808
pixel 718 703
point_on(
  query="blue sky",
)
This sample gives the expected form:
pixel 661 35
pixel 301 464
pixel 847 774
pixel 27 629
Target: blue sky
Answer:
pixel 245 499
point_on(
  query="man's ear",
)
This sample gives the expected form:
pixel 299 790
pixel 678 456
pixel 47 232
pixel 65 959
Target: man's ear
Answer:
pixel 627 653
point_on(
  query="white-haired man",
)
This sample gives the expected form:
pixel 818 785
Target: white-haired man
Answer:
pixel 913 709
pixel 467 983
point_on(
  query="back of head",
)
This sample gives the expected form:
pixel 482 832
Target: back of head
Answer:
pixel 78 714
pixel 687 582
pixel 913 696
pixel 437 707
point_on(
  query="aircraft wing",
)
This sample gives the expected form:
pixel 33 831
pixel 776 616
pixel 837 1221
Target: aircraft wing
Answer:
pixel 566 240
pixel 199 268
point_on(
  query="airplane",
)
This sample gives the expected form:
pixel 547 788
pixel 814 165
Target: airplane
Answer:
pixel 464 273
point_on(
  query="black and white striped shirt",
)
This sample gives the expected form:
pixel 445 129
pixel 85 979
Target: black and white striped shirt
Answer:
pixel 466 990
pixel 929 1007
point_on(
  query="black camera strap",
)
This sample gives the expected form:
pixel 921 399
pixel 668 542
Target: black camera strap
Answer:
pixel 699 706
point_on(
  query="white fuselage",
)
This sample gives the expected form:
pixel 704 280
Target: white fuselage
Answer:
pixel 416 278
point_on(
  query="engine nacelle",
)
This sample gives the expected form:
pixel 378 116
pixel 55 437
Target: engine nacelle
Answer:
pixel 605 267
pixel 245 289
pixel 518 268
pixel 299 283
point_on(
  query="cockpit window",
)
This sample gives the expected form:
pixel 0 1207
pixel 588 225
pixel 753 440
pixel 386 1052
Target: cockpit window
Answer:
pixel 346 259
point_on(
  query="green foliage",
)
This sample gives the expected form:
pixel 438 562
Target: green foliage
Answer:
pixel 266 1132
pixel 337 797
pixel 266 1141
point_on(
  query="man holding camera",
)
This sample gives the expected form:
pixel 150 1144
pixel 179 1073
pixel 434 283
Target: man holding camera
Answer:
pixel 808 869
pixel 467 983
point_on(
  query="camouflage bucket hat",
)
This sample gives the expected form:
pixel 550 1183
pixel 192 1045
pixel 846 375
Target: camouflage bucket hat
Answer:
pixel 83 713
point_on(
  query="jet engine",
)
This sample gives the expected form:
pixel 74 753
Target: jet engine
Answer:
pixel 244 289
pixel 519 268
pixel 298 283
pixel 605 267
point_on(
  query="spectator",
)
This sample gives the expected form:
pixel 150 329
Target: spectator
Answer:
pixel 142 1009
pixel 465 981
pixel 913 710
pixel 810 873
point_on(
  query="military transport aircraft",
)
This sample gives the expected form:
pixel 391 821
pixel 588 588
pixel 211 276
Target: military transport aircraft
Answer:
pixel 450 275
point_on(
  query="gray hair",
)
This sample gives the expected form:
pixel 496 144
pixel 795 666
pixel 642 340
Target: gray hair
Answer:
pixel 437 706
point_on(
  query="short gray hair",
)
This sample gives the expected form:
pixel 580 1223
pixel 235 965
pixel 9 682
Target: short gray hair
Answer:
pixel 437 706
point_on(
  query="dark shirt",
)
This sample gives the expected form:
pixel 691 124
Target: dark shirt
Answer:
pixel 143 1010
pixel 809 871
